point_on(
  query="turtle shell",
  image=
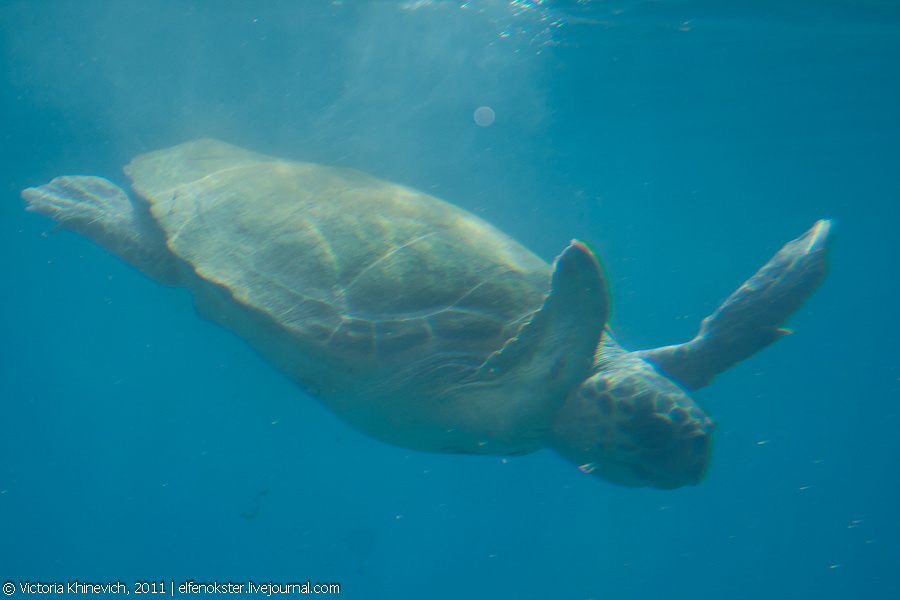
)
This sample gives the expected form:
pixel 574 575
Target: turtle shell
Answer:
pixel 363 271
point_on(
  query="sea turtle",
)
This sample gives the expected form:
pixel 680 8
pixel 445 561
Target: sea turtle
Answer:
pixel 416 321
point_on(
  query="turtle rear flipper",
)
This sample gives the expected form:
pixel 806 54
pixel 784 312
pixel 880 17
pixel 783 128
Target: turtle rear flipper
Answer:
pixel 102 211
pixel 751 318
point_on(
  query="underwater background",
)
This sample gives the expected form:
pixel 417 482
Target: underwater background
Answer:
pixel 685 140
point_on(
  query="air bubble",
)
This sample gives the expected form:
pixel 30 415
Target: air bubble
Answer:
pixel 484 116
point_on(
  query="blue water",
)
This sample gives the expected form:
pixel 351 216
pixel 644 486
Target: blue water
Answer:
pixel 685 140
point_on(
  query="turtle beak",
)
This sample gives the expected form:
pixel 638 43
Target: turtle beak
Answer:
pixel 681 463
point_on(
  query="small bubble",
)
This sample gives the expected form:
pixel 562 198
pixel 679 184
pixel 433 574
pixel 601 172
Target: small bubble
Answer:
pixel 484 116
pixel 587 468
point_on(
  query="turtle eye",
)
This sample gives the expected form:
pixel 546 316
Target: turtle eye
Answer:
pixel 650 429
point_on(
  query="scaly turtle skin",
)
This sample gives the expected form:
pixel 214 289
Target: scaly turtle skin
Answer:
pixel 418 322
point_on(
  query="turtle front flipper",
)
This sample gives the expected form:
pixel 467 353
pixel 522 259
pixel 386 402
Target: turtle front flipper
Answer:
pixel 512 397
pixel 751 318
pixel 102 211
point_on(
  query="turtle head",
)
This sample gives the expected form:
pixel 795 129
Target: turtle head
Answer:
pixel 632 426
